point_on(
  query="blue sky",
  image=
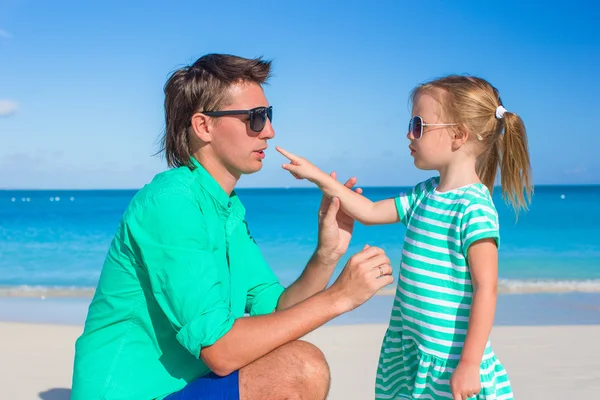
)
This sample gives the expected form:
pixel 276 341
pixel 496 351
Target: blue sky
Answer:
pixel 81 82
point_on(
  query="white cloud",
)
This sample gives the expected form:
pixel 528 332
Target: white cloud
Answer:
pixel 8 108
pixel 577 171
pixel 4 34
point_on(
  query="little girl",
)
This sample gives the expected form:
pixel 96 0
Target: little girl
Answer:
pixel 437 343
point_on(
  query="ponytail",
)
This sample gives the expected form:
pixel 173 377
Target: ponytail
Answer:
pixel 515 167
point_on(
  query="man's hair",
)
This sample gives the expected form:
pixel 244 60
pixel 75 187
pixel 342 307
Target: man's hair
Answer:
pixel 203 86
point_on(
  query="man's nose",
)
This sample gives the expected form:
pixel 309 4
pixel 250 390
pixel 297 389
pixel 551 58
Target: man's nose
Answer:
pixel 268 132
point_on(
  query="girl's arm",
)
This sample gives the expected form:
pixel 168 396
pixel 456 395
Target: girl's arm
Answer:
pixel 358 207
pixel 483 264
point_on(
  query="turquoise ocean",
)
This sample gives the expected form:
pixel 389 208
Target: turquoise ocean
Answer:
pixel 58 239
pixel 53 244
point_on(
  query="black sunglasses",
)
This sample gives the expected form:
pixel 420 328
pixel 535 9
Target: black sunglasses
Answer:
pixel 415 126
pixel 258 116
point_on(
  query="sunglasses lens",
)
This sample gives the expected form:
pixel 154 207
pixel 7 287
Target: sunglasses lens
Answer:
pixel 417 127
pixel 258 118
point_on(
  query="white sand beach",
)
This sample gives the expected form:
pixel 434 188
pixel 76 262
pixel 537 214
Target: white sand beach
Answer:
pixel 556 362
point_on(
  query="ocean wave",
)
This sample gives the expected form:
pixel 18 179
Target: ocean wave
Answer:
pixel 510 286
pixel 44 292
pixel 505 286
pixel 548 286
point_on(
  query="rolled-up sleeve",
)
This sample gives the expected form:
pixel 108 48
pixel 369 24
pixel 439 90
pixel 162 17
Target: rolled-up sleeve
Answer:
pixel 169 238
pixel 264 289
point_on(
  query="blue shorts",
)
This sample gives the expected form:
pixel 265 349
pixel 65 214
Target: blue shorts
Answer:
pixel 211 387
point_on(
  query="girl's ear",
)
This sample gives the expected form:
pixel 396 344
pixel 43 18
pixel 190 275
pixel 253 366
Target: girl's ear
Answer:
pixel 460 137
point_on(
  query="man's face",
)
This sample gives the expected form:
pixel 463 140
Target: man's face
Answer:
pixel 235 146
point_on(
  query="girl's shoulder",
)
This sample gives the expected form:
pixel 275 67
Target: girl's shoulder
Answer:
pixel 427 186
pixel 466 198
pixel 478 194
pixel 478 203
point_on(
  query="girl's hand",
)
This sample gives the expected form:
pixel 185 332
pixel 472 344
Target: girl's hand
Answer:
pixel 465 381
pixel 301 168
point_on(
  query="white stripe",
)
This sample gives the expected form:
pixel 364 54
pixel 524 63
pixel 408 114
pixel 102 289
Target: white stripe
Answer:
pixel 434 222
pixel 405 204
pixel 437 392
pixel 435 288
pixel 386 367
pixel 447 317
pixel 440 211
pixel 477 232
pixel 458 200
pixel 433 235
pixel 442 277
pixel 388 350
pixel 478 207
pixel 434 301
pixel 441 342
pixel 391 376
pixel 429 260
pixel 503 384
pixel 437 249
pixel 478 220
pixel 436 328
pixel 391 384
pixel 386 361
pixel 393 394
pixel 444 356
pixel 483 191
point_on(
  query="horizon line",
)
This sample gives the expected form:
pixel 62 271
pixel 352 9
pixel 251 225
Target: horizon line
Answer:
pixel 274 187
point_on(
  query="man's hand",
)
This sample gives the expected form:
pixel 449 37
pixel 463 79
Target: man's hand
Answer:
pixel 363 275
pixel 335 232
pixel 465 381
pixel 335 227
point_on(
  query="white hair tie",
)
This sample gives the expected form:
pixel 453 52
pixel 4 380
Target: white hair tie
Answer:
pixel 500 112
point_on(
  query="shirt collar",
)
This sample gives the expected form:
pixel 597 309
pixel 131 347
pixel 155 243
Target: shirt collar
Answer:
pixel 229 203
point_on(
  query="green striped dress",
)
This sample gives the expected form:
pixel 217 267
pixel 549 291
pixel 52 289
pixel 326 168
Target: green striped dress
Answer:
pixel 430 315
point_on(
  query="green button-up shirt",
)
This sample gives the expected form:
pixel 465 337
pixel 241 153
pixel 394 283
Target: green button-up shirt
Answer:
pixel 181 268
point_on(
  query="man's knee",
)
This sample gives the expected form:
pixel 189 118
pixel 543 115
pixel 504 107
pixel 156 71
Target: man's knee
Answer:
pixel 311 371
pixel 295 371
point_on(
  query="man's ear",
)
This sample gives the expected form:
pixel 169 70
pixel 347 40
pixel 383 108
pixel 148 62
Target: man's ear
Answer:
pixel 200 127
pixel 460 137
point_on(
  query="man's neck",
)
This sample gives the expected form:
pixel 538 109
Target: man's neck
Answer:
pixel 224 178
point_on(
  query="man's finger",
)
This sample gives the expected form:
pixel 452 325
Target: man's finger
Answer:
pixel 384 281
pixel 350 182
pixel 287 154
pixel 332 210
pixel 386 268
pixel 377 260
pixel 457 395
pixel 366 253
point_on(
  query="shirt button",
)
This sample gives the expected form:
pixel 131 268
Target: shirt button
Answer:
pixel 229 204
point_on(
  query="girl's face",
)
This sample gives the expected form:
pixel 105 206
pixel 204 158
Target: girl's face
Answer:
pixel 433 150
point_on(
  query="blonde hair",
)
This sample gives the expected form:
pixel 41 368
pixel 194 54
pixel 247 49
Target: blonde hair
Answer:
pixel 471 103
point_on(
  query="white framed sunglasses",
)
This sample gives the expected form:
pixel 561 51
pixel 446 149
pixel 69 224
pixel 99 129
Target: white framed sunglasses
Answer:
pixel 416 124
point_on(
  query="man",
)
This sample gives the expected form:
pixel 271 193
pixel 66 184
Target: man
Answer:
pixel 168 317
